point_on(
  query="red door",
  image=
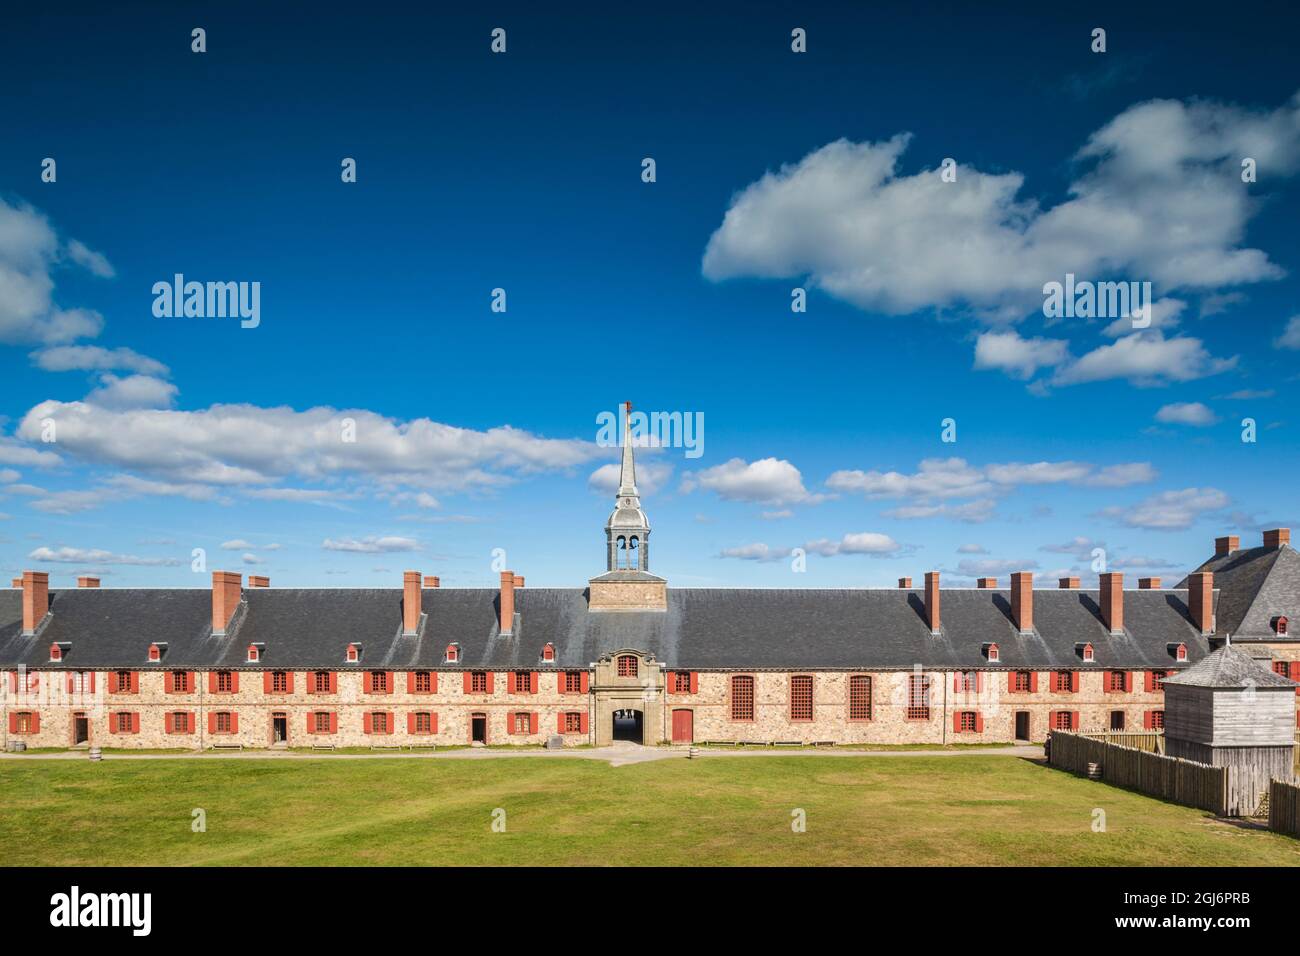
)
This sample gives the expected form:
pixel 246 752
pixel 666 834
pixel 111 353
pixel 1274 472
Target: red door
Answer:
pixel 683 726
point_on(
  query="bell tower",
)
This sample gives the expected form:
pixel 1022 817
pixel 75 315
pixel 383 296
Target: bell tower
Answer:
pixel 627 584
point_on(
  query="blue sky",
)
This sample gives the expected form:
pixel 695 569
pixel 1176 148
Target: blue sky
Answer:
pixel 522 171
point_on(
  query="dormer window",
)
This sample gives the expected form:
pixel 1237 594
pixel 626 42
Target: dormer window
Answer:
pixel 57 651
pixel 254 653
pixel 548 651
pixel 1178 651
pixel 156 650
pixel 991 653
pixel 1280 626
pixel 627 665
pixel 1085 653
pixel 453 653
pixel 354 653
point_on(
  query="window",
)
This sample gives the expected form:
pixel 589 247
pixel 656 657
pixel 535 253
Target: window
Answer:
pixel 522 724
pixel 967 722
pixel 223 721
pixel 1117 720
pixel 1063 682
pixel 681 682
pixel 965 682
pixel 573 682
pixel 742 698
pixel 478 682
pixel 423 683
pixel 626 665
pixel 1282 667
pixel 123 723
pixel 1116 681
pixel 1280 626
pixel 320 722
pixel 573 722
pixel 918 697
pixel 379 723
pixel 548 652
pixel 123 682
pixel 859 697
pixel 178 722
pixel 279 682
pixel 354 653
pixel 1158 681
pixel 1062 720
pixel 453 653
pixel 225 682
pixel 24 722
pixel 991 651
pixel 320 682
pixel 181 683
pixel 523 682
pixel 423 722
pixel 81 682
pixel 379 682
pixel 801 697
pixel 1024 682
pixel 1155 720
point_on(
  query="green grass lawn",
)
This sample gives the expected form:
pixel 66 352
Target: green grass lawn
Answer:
pixel 974 810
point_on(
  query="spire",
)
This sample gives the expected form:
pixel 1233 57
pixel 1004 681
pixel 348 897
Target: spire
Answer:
pixel 627 476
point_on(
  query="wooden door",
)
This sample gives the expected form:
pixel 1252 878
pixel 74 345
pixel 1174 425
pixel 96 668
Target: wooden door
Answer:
pixel 683 726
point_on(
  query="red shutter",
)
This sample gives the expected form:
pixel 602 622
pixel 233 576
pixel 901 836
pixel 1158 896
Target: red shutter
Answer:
pixel 366 721
pixel 1150 682
pixel 586 681
pixel 979 722
pixel 559 682
pixel 112 722
pixel 1295 671
pixel 92 682
pixel 956 682
pixel 491 676
pixel 532 684
pixel 510 721
pixel 212 723
pixel 532 722
pixel 71 688
pixel 288 681
pixel 167 722
pixel 169 683
pixel 334 722
pixel 334 689
pixel 368 682
pixel 1033 682
pixel 390 681
pixel 190 720
pixel 234 722
pixel 672 682
pixel 311 723
pixel 212 682
pixel 410 688
pixel 559 727
pixel 510 682
pixel 433 682
pixel 1075 724
pixel 469 680
pixel 956 722
pixel 266 682
pixel 1128 681
pixel 1011 682
pixel 1147 720
pixel 112 682
pixel 695 683
pixel 13 723
pixel 979 682
pixel 1074 682
pixel 410 723
pixel 583 723
pixel 135 682
pixel 433 723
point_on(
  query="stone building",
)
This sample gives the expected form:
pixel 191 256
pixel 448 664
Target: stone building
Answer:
pixel 626 655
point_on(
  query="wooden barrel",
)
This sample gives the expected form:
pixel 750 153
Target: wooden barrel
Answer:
pixel 692 753
pixel 95 753
pixel 1094 771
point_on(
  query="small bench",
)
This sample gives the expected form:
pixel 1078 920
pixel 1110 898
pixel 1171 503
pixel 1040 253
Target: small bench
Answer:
pixel 823 743
pixel 753 743
pixel 787 743
pixel 421 746
pixel 227 746
pixel 323 747
pixel 385 746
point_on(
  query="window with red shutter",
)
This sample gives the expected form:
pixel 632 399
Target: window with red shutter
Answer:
pixel 742 697
pixel 478 682
pixel 801 697
pixel 572 682
pixel 572 722
pixel 966 722
pixel 627 665
pixel 918 697
pixel 859 697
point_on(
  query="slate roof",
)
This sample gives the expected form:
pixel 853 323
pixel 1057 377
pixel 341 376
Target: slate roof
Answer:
pixel 702 629
pixel 1228 668
pixel 1255 586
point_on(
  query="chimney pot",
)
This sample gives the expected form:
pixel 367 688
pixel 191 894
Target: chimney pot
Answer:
pixel 1022 601
pixel 1068 584
pixel 987 584
pixel 1112 601
pixel 507 601
pixel 410 602
pixel 85 581
pixel 432 581
pixel 1277 537
pixel 36 599
pixel 905 583
pixel 1226 545
pixel 1149 584
pixel 227 587
pixel 932 601
pixel 1200 600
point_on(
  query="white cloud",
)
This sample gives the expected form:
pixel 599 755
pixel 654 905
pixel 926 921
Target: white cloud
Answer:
pixel 1186 413
pixel 14 453
pixel 972 549
pixel 1018 357
pixel 755 552
pixel 1039 472
pixel 1290 337
pixel 371 544
pixel 1159 199
pixel 766 481
pixel 249 558
pixel 991 567
pixel 1164 316
pixel 936 478
pixel 650 477
pixel 1120 476
pixel 97 556
pixel 1170 510
pixel 79 358
pixel 90 260
pixel 972 512
pixel 132 391
pixel 238 544
pixel 861 542
pixel 1145 359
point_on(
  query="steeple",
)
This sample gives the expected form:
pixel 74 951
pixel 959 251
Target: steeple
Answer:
pixel 627 533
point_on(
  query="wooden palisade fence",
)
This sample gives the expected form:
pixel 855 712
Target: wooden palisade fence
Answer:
pixel 1152 741
pixel 1170 778
pixel 1284 807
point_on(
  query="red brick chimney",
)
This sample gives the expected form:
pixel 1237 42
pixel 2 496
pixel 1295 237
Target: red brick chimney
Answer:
pixel 36 599
pixel 432 581
pixel 1022 600
pixel 1200 600
pixel 519 580
pixel 1068 584
pixel 905 583
pixel 410 602
pixel 1226 545
pixel 259 581
pixel 507 601
pixel 932 601
pixel 1277 537
pixel 227 586
pixel 85 581
pixel 1112 601
pixel 1148 584
pixel 16 582
pixel 987 584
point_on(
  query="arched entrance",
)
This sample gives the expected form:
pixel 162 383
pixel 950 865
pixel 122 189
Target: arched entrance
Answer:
pixel 628 725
